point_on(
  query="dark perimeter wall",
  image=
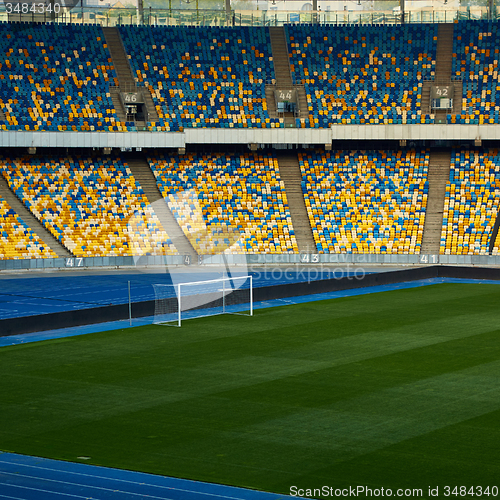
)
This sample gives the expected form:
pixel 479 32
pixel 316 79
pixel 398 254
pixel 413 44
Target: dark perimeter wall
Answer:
pixel 39 323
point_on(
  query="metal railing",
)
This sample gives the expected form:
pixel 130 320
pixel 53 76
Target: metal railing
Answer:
pixel 110 16
pixel 127 87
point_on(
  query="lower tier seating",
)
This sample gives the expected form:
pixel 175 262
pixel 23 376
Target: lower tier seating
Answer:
pixel 17 240
pixel 471 202
pixel 224 202
pixel 93 206
pixel 366 201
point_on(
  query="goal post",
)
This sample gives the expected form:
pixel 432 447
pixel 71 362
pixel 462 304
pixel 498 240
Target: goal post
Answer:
pixel 177 302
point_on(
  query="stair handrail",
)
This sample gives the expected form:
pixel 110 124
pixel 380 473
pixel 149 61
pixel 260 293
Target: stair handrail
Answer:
pixel 443 79
pixel 126 87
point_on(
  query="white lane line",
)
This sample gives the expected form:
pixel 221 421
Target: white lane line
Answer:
pixel 11 498
pixel 142 495
pixel 126 481
pixel 40 490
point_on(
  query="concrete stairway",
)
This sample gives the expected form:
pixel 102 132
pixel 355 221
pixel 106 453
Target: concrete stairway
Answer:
pixel 271 102
pixel 150 107
pixel 119 57
pixel 494 233
pixel 144 176
pixel 292 177
pixel 457 97
pixel 281 61
pixel 302 100
pixel 31 221
pixel 117 103
pixel 425 102
pixel 125 76
pixel 444 51
pixel 123 72
pixel 438 175
pixel 444 56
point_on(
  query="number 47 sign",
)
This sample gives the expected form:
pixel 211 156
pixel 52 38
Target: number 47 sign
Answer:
pixel 71 262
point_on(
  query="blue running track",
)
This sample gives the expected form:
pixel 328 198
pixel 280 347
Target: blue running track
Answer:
pixel 43 295
pixel 31 478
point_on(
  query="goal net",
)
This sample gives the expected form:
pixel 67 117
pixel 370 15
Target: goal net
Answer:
pixel 175 303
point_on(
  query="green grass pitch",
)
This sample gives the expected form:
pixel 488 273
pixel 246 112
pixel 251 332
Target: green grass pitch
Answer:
pixel 397 390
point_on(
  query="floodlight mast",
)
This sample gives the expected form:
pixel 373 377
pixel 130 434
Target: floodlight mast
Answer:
pixel 140 12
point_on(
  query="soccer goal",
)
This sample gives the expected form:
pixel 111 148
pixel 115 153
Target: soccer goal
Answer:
pixel 175 303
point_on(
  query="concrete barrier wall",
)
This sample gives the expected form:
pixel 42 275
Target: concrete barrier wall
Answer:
pixel 272 136
pixel 247 259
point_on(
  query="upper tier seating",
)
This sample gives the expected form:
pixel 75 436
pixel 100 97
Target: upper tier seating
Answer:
pixel 223 202
pixel 366 201
pixel 17 240
pixel 475 61
pixel 362 74
pixel 91 205
pixel 203 76
pixel 471 202
pixel 56 77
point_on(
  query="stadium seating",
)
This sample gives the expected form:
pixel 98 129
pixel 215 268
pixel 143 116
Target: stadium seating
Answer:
pixel 362 74
pixel 203 76
pixel 17 240
pixel 366 201
pixel 224 201
pixel 471 202
pixel 475 61
pixel 56 77
pixel 91 205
